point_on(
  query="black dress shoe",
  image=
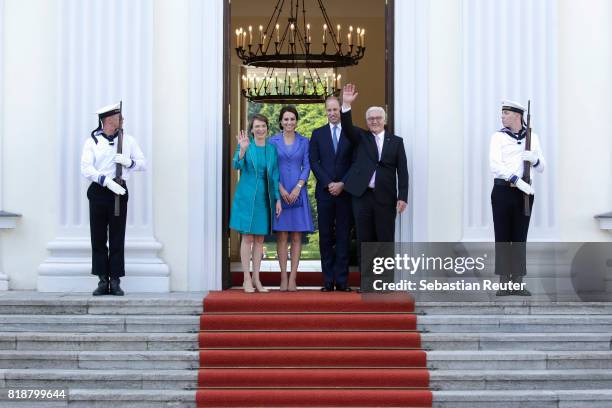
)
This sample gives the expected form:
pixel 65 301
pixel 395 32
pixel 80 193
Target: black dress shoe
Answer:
pixel 521 292
pixel 503 293
pixel 327 288
pixel 102 288
pixel 115 289
pixel 343 288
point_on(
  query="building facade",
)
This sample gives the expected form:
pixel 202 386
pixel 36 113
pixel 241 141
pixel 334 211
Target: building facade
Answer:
pixel 453 62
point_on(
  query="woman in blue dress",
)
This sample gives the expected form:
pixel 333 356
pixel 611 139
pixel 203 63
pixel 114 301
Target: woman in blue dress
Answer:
pixel 296 218
pixel 256 200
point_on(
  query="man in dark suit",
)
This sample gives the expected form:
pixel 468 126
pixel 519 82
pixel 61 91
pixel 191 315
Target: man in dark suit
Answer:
pixel 378 177
pixel 330 159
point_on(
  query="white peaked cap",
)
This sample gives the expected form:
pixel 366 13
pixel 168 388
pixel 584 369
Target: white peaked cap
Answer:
pixel 109 110
pixel 513 106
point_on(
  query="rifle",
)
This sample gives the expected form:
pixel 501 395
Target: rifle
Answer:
pixel 527 164
pixel 119 168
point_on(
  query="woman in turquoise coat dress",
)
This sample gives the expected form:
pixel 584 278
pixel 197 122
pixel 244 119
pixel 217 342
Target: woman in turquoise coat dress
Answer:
pixel 257 198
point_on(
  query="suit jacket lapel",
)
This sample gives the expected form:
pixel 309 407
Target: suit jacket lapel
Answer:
pixel 294 148
pixel 387 142
pixel 330 141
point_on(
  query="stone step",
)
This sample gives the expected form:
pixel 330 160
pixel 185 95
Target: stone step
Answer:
pixel 516 323
pixel 178 303
pixel 177 360
pixel 102 379
pixel 522 307
pixel 102 360
pixel 116 398
pixel 517 341
pixel 519 360
pixel 183 379
pixel 100 324
pixel 520 379
pixel 98 341
pixel 518 398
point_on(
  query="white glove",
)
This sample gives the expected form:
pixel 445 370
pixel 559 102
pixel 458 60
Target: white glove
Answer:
pixel 530 156
pixel 524 187
pixel 123 160
pixel 113 186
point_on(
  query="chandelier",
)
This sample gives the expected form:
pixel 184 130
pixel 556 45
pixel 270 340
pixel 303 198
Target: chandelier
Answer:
pixel 292 61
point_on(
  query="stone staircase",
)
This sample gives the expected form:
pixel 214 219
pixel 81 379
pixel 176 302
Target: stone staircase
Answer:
pixel 511 354
pixel 136 351
pixel 142 351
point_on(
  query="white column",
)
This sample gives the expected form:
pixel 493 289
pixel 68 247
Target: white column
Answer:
pixel 4 280
pixel 411 104
pixel 585 65
pixel 205 145
pixel 106 54
pixel 509 51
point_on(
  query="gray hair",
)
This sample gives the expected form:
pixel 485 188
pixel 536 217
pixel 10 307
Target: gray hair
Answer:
pixel 376 109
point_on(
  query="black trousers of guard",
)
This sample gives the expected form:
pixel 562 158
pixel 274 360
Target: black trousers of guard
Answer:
pixel 511 227
pixel 105 227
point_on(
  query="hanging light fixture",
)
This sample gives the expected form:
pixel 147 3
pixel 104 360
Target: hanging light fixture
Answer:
pixel 292 62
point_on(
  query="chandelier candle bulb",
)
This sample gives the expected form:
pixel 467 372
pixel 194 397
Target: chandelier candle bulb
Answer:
pixel 308 33
pixel 261 38
pixel 324 33
pixel 291 34
pixel 250 35
pixel 237 38
pixel 350 35
pixel 338 82
pixel 277 33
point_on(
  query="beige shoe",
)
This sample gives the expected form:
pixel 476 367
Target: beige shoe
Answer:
pixel 292 286
pixel 248 287
pixel 260 287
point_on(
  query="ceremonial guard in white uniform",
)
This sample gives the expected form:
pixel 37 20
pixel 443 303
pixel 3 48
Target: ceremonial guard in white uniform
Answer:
pixel 507 156
pixel 101 164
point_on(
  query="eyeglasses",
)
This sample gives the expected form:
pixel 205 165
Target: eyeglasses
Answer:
pixel 375 119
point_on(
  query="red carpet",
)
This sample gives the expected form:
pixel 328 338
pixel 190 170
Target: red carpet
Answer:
pixel 310 349
pixel 303 278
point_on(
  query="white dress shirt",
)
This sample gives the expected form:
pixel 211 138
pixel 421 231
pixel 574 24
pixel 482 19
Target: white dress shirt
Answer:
pixel 338 131
pixel 98 159
pixel 380 140
pixel 505 155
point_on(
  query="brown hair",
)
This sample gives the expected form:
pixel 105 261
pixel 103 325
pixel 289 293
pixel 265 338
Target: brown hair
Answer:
pixel 288 108
pixel 260 117
pixel 332 98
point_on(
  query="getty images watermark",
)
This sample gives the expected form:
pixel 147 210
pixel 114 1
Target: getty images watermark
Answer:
pixel 448 271
pixel 458 265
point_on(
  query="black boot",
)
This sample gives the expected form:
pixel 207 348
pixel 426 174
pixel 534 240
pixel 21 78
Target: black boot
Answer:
pixel 503 292
pixel 102 288
pixel 115 289
pixel 520 292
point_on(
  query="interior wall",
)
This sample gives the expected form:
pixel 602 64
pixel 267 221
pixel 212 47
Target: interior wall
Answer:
pixel 368 75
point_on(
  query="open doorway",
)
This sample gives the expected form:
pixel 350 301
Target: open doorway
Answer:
pixel 373 76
